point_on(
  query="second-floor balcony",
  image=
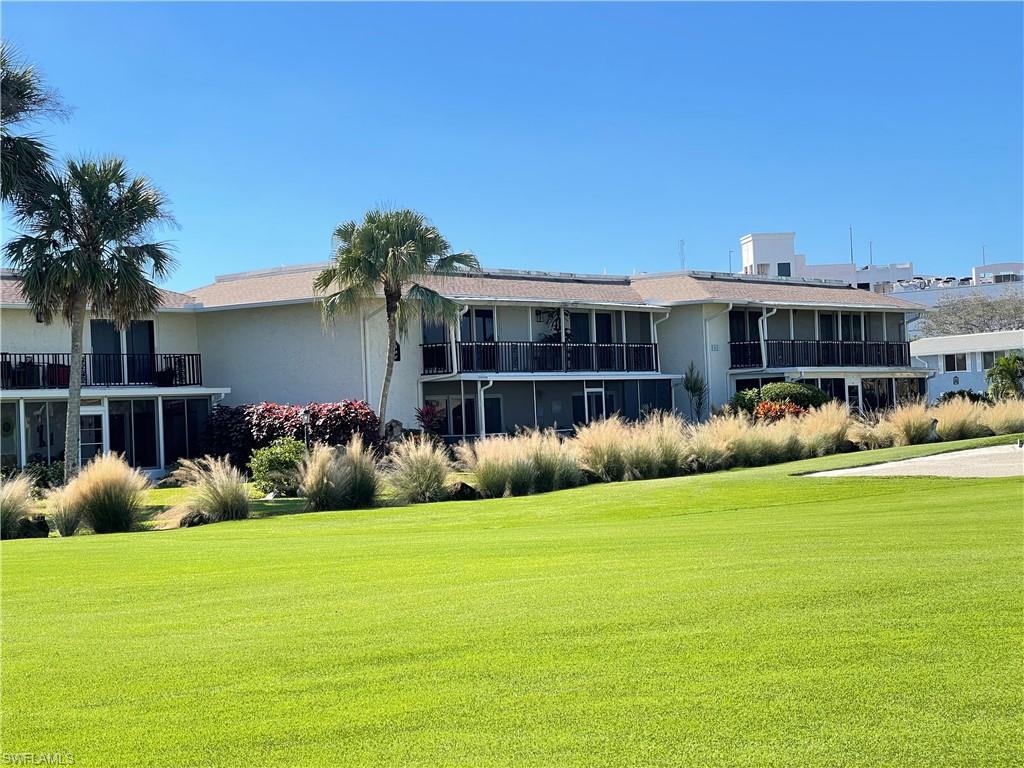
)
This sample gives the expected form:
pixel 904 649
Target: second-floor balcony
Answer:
pixel 786 353
pixel 539 357
pixel 41 370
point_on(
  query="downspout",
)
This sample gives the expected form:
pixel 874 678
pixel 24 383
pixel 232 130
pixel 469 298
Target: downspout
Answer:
pixel 707 352
pixel 362 341
pixel 654 340
pixel 762 326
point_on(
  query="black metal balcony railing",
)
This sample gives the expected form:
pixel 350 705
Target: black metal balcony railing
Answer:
pixel 783 353
pixel 539 357
pixel 53 370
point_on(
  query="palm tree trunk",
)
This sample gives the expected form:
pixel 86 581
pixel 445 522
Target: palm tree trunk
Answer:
pixel 73 430
pixel 392 310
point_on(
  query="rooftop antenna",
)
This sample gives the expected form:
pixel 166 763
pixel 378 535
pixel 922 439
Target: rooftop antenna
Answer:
pixel 871 252
pixel 730 260
pixel 983 255
pixel 682 254
pixel 851 247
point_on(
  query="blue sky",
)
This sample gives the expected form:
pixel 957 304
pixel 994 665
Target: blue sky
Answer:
pixel 572 137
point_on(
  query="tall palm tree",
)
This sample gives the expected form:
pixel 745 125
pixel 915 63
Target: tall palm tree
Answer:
pixel 85 243
pixel 24 98
pixel 386 252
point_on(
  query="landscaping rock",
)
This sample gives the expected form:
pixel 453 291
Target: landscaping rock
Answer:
pixel 33 527
pixel 463 492
pixel 194 518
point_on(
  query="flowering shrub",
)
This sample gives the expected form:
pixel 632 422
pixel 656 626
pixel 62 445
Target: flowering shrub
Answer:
pixel 237 431
pixel 767 410
pixel 432 418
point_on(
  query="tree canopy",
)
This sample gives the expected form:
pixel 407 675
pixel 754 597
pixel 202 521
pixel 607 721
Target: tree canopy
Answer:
pixel 975 313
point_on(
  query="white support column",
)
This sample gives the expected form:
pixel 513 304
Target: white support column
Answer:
pixel 863 328
pixel 536 423
pixel 792 335
pixel 839 331
pixel 529 323
pixel 650 316
pixel 885 328
pixel 481 427
pixel 592 333
pixel 23 434
pixel 494 309
pixel 105 421
pixel 817 326
pixel 622 316
pixel 160 430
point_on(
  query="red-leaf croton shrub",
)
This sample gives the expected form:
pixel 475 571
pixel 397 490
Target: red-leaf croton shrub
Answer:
pixel 769 411
pixel 237 431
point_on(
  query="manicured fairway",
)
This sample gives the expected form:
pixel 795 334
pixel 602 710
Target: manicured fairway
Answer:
pixel 748 618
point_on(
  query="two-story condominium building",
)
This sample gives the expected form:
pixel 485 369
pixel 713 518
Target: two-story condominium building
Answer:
pixel 530 349
pixel 143 388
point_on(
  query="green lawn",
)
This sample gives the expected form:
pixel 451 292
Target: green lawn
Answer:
pixel 748 618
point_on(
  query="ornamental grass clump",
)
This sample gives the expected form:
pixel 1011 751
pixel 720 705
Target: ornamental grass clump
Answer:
pixel 64 511
pixel 870 434
pixel 1005 417
pixel 825 430
pixel 417 470
pixel 218 488
pixel 603 446
pixel 554 460
pixel 501 465
pixel 714 443
pixel 15 502
pixel 339 478
pixel 771 443
pixel 960 419
pixel 909 424
pixel 108 493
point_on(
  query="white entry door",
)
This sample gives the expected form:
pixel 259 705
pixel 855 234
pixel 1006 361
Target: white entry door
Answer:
pixel 92 441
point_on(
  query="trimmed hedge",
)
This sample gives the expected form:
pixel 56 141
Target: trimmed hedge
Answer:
pixel 236 431
pixel 275 469
pixel 803 395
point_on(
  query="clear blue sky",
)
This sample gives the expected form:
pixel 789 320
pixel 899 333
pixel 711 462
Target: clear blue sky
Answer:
pixel 570 137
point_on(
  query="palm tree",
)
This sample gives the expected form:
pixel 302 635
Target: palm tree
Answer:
pixel 24 98
pixel 1006 377
pixel 385 253
pixel 85 243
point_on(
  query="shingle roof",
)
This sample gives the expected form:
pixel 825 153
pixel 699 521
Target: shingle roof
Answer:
pixel 296 284
pixel 673 287
pixel 11 295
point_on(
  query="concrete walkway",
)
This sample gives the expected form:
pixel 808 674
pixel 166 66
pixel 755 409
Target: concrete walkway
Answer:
pixel 998 461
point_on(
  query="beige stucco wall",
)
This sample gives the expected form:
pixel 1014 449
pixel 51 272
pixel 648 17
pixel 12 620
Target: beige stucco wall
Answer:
pixel 19 332
pixel 284 354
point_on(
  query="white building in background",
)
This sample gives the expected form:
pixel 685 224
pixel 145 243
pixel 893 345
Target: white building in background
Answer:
pixel 960 362
pixel 986 279
pixel 773 254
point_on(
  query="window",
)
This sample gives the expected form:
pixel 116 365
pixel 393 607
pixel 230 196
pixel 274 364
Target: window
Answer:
pixel 762 269
pixel 864 286
pixel 45 424
pixel 827 326
pixel 10 441
pixel 743 325
pixel 603 328
pixel 184 422
pixel 957 362
pixel 784 269
pixel 133 431
pixel 988 359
